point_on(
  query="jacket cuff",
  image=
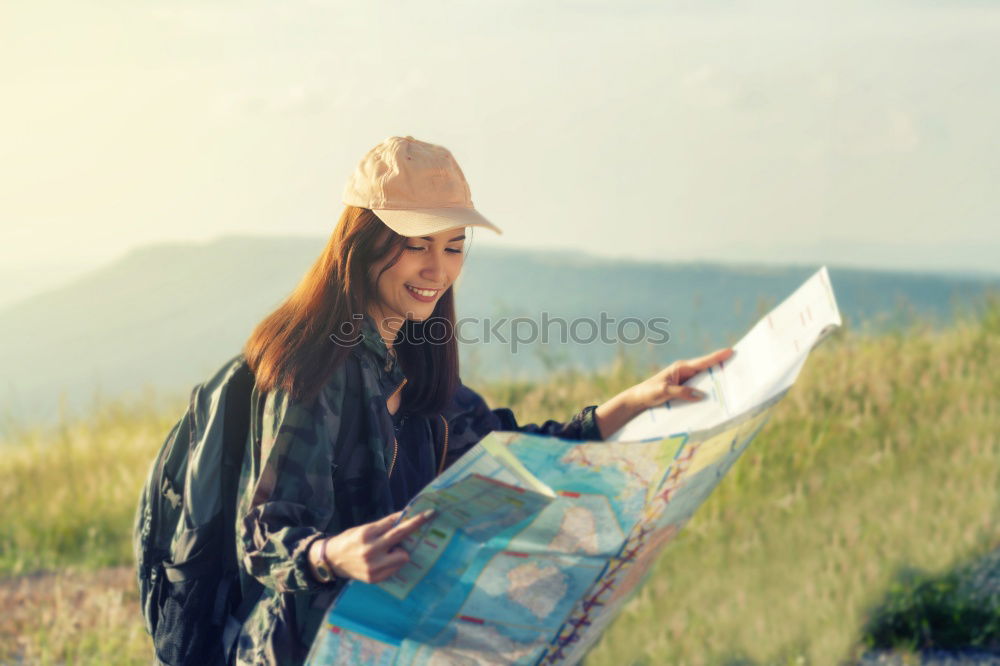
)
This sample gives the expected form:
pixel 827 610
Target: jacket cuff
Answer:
pixel 588 424
pixel 283 564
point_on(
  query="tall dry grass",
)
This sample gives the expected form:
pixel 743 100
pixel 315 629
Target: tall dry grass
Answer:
pixel 69 492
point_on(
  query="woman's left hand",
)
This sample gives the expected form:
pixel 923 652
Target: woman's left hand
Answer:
pixel 667 384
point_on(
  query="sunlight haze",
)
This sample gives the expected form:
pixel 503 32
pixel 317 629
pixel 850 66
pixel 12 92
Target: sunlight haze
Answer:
pixel 768 132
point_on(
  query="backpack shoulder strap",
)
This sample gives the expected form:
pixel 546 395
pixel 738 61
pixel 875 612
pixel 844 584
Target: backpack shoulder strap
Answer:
pixel 236 426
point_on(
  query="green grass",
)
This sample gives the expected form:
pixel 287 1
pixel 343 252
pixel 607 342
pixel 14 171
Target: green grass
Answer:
pixel 952 610
pixel 884 457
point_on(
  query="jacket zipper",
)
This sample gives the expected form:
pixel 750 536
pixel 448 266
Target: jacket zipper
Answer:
pixel 395 442
pixel 444 451
pixel 395 453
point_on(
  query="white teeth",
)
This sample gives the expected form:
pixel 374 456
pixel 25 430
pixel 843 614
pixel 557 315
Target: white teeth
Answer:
pixel 426 293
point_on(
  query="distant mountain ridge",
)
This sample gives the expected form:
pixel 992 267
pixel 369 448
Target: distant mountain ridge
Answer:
pixel 166 315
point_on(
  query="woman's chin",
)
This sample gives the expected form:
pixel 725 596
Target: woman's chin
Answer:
pixel 417 311
pixel 420 316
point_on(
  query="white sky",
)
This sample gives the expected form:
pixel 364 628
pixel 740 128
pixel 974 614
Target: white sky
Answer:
pixel 778 131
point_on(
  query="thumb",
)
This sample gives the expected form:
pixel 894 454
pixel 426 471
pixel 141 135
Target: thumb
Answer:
pixel 688 393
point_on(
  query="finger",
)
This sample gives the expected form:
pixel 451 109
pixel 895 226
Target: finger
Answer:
pixel 696 365
pixel 405 529
pixel 388 565
pixel 708 360
pixel 383 525
pixel 688 393
pixel 392 560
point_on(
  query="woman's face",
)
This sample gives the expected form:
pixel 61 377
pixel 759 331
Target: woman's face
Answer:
pixel 428 266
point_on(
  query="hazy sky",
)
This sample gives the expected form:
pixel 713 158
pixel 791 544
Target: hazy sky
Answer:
pixel 764 131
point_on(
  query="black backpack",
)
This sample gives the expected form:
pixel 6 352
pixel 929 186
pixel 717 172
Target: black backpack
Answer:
pixel 184 533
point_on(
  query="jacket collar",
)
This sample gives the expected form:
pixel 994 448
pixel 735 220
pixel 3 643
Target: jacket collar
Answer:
pixel 372 340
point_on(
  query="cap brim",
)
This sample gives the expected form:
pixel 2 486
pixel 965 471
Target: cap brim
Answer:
pixel 425 221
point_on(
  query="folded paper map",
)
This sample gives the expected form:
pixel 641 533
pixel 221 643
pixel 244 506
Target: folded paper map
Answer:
pixel 537 542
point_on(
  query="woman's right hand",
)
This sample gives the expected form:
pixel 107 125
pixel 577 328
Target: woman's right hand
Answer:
pixel 369 552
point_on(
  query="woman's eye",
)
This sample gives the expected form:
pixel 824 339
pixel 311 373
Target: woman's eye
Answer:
pixel 419 248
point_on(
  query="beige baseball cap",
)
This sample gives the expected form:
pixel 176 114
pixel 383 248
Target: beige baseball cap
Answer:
pixel 416 188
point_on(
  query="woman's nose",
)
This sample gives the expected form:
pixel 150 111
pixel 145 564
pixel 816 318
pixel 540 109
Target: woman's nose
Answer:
pixel 433 269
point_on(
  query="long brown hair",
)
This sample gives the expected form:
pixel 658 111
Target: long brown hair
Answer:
pixel 296 347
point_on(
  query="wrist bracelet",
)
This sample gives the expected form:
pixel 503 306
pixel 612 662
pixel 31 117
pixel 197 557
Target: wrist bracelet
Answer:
pixel 324 570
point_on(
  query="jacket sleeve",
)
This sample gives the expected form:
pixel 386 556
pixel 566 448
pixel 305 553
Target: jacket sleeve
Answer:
pixel 470 419
pixel 288 500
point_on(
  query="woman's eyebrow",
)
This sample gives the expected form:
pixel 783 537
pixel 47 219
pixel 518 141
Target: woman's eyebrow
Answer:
pixel 452 240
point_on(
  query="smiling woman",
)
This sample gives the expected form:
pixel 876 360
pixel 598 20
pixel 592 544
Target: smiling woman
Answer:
pixel 358 402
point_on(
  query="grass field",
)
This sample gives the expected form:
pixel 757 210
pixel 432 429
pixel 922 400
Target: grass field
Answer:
pixel 884 457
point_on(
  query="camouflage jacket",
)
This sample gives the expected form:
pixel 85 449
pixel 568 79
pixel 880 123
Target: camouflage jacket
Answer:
pixel 317 469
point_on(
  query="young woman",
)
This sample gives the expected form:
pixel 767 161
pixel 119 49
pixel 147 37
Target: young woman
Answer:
pixel 358 402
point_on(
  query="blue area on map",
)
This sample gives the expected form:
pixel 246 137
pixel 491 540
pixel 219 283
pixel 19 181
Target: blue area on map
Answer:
pixel 567 577
pixel 545 457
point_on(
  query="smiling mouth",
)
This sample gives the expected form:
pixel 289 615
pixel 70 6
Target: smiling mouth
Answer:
pixel 423 293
